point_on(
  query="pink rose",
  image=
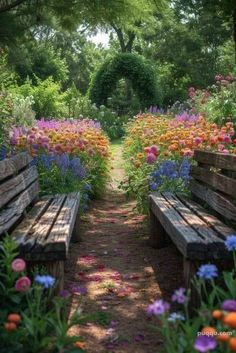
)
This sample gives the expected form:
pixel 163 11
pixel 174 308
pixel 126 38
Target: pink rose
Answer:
pixel 18 265
pixel 23 284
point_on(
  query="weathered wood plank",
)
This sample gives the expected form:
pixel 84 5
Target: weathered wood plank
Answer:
pixel 60 234
pixel 10 166
pixel 22 234
pixel 216 180
pixel 215 245
pixel 158 236
pixel 14 210
pixel 222 229
pixel 15 185
pixel 43 227
pixel 216 159
pixel 218 202
pixel 184 237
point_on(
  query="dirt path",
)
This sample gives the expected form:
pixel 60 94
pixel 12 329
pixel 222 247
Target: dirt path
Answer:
pixel 116 274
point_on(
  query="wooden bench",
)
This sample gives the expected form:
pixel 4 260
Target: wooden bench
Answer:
pixel 199 234
pixel 42 228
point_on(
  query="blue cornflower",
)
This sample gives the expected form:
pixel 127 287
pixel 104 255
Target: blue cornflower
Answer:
pixel 77 168
pixel 153 186
pixel 230 243
pixel 207 271
pixel 46 281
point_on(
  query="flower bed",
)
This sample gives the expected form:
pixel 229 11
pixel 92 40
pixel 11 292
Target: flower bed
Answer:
pixel 158 150
pixel 71 155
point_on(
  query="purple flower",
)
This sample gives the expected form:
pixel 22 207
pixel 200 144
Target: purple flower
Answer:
pixel 205 343
pixel 179 296
pixel 230 242
pixel 159 307
pixel 229 305
pixel 207 271
pixel 151 158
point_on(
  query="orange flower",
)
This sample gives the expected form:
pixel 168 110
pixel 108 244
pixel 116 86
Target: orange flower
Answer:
pixel 209 330
pixel 10 326
pixel 223 336
pixel 14 318
pixel 80 344
pixel 230 320
pixel 217 314
pixel 232 344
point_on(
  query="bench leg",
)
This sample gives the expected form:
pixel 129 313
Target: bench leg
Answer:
pixel 190 269
pixel 158 237
pixel 56 269
pixel 76 231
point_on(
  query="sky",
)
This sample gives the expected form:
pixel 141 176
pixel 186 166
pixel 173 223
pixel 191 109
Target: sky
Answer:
pixel 101 37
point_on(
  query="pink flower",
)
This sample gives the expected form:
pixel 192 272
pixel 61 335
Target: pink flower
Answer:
pixel 197 140
pixel 18 265
pixel 227 139
pixel 218 77
pixel 151 158
pixel 23 284
pixel 154 149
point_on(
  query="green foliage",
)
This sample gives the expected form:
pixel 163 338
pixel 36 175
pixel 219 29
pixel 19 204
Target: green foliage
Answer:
pixel 218 103
pixel 128 66
pixel 47 96
pixel 111 123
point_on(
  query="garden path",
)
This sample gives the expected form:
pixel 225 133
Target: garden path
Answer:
pixel 116 275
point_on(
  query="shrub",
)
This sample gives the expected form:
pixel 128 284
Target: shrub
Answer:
pixel 218 103
pixel 129 66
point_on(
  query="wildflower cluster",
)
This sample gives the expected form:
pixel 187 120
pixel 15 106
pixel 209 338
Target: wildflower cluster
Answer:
pixel 31 322
pixel 70 154
pixel 213 326
pixel 170 175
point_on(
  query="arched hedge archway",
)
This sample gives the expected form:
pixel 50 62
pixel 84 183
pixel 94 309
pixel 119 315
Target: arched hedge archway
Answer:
pixel 125 65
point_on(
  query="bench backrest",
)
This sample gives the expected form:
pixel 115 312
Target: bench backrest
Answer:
pixel 19 186
pixel 214 181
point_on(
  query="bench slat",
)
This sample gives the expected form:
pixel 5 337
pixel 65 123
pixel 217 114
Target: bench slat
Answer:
pixel 222 229
pixel 216 180
pixel 60 234
pixel 23 233
pixel 43 227
pixel 220 203
pixel 14 210
pixel 14 186
pixel 218 160
pixel 185 238
pixel 215 245
pixel 10 166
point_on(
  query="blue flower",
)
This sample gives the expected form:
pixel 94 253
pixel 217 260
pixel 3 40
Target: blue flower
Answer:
pixel 153 186
pixel 175 317
pixel 46 281
pixel 207 271
pixel 230 243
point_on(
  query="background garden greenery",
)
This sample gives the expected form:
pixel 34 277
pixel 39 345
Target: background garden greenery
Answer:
pixel 48 60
